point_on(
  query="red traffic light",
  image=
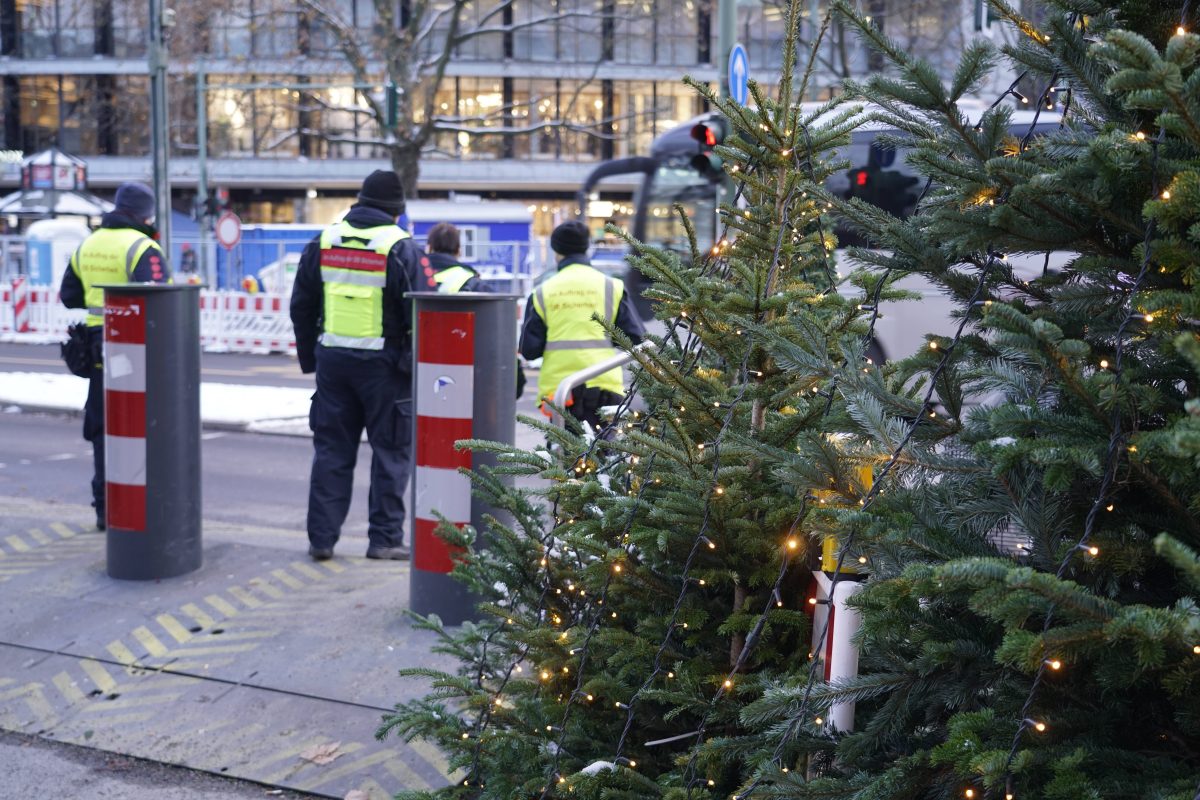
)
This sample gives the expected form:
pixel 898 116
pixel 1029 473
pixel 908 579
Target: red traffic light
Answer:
pixel 860 178
pixel 704 134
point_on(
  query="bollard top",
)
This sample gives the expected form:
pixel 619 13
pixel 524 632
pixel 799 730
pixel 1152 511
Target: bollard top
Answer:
pixel 463 295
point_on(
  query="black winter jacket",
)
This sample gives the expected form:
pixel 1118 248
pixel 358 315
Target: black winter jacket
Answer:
pixel 404 274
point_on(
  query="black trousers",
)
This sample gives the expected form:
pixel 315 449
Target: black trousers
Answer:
pixel 93 420
pixel 359 389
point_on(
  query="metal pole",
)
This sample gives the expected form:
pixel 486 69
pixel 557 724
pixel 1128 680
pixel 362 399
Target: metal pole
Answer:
pixel 814 19
pixel 726 32
pixel 202 261
pixel 159 131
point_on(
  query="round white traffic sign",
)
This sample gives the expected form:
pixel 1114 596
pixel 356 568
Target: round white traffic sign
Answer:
pixel 228 230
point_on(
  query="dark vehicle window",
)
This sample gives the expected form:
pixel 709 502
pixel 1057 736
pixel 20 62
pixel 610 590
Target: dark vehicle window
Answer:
pixel 880 175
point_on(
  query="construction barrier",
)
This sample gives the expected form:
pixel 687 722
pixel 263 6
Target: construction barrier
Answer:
pixel 230 321
pixel 20 304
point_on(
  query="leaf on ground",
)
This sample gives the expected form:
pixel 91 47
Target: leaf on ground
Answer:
pixel 322 753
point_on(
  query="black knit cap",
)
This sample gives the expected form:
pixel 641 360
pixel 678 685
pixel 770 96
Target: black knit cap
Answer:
pixel 382 189
pixel 570 238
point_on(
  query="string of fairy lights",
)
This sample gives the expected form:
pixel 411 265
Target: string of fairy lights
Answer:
pixel 691 349
pixel 701 540
pixel 1116 447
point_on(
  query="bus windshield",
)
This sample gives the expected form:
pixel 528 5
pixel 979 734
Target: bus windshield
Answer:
pixel 671 185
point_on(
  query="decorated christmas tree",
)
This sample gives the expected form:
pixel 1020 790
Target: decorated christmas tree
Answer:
pixel 1010 511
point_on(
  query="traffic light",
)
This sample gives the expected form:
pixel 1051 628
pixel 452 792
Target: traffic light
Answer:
pixel 709 134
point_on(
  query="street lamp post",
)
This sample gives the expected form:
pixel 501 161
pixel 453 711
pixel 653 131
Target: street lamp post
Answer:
pixel 159 132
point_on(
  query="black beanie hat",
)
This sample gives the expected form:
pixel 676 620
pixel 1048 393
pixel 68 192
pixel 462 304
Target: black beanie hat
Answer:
pixel 135 199
pixel 570 238
pixel 382 189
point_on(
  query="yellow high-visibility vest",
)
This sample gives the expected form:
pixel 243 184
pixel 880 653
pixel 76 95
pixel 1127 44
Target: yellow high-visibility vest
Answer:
pixel 354 272
pixel 566 303
pixel 107 256
pixel 452 279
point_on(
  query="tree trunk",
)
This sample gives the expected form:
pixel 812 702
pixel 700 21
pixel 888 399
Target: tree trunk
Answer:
pixel 406 161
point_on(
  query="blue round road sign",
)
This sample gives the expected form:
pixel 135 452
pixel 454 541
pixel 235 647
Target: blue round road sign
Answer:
pixel 739 73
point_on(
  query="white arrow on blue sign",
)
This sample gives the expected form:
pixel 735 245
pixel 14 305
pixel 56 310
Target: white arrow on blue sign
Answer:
pixel 739 73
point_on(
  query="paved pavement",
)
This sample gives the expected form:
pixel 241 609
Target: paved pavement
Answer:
pixel 261 665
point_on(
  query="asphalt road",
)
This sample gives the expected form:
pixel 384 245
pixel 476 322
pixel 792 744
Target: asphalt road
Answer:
pixel 258 370
pixel 248 479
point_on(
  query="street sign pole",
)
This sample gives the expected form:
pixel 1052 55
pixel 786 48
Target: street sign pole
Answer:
pixel 726 26
pixel 159 131
pixel 202 261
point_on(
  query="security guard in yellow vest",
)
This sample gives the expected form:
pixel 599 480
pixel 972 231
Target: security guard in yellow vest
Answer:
pixel 443 247
pixel 560 329
pixel 354 329
pixel 122 250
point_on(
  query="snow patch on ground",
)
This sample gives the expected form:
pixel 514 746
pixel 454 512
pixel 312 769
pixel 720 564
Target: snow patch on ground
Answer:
pixel 223 404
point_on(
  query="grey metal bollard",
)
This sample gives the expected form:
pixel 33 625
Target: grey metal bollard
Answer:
pixel 152 429
pixel 464 387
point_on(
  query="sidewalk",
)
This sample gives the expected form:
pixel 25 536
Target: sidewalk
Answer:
pixel 260 665
pixel 223 406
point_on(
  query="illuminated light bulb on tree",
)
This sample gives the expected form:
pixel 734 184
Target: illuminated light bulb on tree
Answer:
pixel 1054 664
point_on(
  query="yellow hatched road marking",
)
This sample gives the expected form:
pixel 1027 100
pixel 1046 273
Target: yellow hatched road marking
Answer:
pixel 18 544
pixel 122 719
pixel 240 635
pixel 6 681
pixel 268 589
pixel 308 571
pixel 157 682
pixel 39 706
pixel 374 791
pixel 431 756
pixel 98 675
pixel 344 749
pixel 174 628
pixel 20 690
pixel 149 641
pixel 197 614
pixel 67 688
pixel 282 755
pixel 218 649
pixel 244 597
pixel 404 773
pixel 349 769
pixel 222 605
pixel 39 536
pixel 62 530
pixel 124 702
pixel 287 580
pixel 121 653
pixel 332 567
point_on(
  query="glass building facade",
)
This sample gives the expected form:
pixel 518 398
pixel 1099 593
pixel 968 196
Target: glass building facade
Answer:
pixel 587 79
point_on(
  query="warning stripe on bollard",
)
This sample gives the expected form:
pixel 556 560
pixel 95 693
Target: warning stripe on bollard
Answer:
pixel 125 411
pixel 445 391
